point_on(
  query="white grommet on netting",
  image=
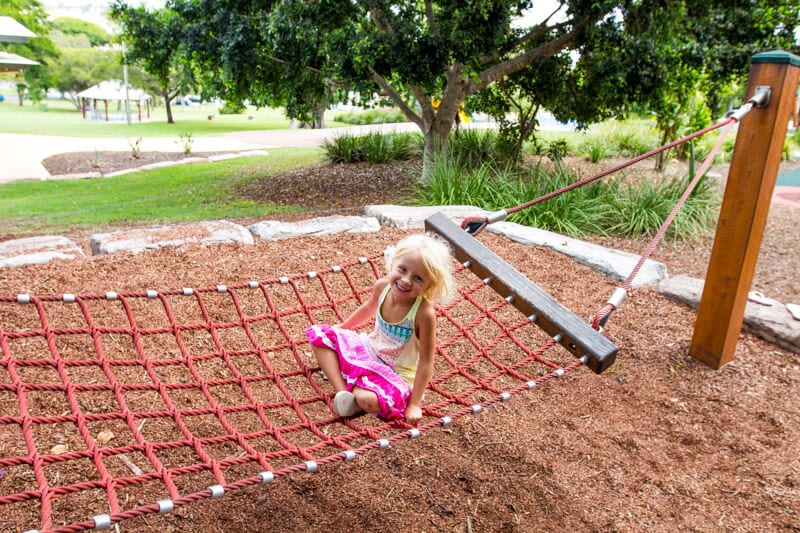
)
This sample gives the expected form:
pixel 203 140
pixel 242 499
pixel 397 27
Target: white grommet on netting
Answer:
pixel 253 284
pixel 467 264
pixel 414 433
pixel 510 298
pixel 187 291
pixel 284 280
pixel 222 288
pixel 560 372
pixel 383 443
pixel 477 408
pixel 216 491
pixel 446 420
pixel 558 337
pixel 267 477
pixel 102 521
pixel 152 294
pixel 349 455
pixel 336 268
pixel 362 260
pixel 533 318
pixel 505 396
pixel 311 275
pixel 69 298
pixel 311 466
pixel 111 295
pixel 486 281
pixel 531 385
pixel 23 298
pixel 165 506
pixel 585 359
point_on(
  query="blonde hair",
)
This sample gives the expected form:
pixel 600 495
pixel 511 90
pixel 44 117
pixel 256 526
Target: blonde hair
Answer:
pixel 436 258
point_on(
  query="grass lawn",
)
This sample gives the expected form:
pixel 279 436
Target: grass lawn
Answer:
pixel 59 117
pixel 172 194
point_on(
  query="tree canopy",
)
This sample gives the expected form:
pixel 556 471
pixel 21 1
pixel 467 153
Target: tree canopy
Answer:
pixel 606 56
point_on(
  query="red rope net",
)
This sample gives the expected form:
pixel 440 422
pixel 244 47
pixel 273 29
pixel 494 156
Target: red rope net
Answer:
pixel 114 405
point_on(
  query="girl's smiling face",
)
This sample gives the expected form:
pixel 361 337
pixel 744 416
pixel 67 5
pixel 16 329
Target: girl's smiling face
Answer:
pixel 408 277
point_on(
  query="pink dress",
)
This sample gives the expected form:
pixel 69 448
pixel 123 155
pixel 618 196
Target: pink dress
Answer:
pixel 383 361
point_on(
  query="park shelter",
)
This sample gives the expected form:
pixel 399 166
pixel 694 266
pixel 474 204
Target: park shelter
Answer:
pixel 12 31
pixel 95 101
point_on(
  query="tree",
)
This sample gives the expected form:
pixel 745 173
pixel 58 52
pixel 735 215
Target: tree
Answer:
pixel 32 15
pixel 154 39
pixel 415 52
pixel 80 68
pixel 96 35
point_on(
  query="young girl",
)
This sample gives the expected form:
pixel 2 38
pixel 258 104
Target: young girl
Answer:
pixel 386 371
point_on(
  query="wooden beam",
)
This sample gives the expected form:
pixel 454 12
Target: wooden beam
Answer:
pixel 575 335
pixel 743 215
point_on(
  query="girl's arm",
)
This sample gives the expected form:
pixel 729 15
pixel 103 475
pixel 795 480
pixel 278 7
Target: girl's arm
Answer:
pixel 366 310
pixel 426 331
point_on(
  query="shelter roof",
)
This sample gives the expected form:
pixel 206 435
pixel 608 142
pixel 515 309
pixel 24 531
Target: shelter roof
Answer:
pixel 113 90
pixel 12 31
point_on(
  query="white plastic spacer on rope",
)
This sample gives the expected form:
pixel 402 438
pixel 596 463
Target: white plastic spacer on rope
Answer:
pixel 187 291
pixel 165 506
pixel 283 279
pixel 446 420
pixel 216 491
pixel 152 294
pixel 560 373
pixel 414 433
pixel 102 521
pixel 505 396
pixel 311 466
pixel 267 477
pixel 558 337
pixel 111 295
pixel 253 284
pixel 467 264
pixel 222 288
pixel 383 443
pixel 23 298
pixel 531 385
pixel 476 408
pixel 510 298
pixel 349 455
pixel 31 531
pixel 585 359
pixel 69 298
pixel 311 275
pixel 487 281
pixel 617 297
pixel 533 318
pixel 363 260
pixel 336 268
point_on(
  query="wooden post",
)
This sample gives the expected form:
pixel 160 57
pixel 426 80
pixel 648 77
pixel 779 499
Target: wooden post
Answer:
pixel 745 205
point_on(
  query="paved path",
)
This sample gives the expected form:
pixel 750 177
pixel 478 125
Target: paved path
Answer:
pixel 22 155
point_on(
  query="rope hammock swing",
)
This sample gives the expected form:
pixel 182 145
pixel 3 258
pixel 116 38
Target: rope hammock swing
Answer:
pixel 174 396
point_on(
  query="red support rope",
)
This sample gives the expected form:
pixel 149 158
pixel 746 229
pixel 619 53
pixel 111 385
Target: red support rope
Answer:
pixel 477 224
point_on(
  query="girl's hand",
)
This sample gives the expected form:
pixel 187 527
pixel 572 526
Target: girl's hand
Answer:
pixel 413 414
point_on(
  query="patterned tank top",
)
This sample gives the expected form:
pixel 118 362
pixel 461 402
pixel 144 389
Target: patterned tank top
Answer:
pixel 395 344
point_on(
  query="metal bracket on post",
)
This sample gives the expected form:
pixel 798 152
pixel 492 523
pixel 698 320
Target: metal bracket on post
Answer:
pixel 761 96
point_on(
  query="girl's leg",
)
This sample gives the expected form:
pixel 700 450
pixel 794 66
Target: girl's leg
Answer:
pixel 367 400
pixel 329 363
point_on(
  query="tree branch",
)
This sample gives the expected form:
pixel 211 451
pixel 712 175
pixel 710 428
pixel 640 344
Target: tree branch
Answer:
pixel 397 98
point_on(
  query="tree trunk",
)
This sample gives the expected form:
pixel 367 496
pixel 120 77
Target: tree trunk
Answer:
pixel 168 106
pixel 436 137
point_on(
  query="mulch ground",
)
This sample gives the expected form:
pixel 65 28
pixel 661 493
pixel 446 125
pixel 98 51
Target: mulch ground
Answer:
pixel 659 442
